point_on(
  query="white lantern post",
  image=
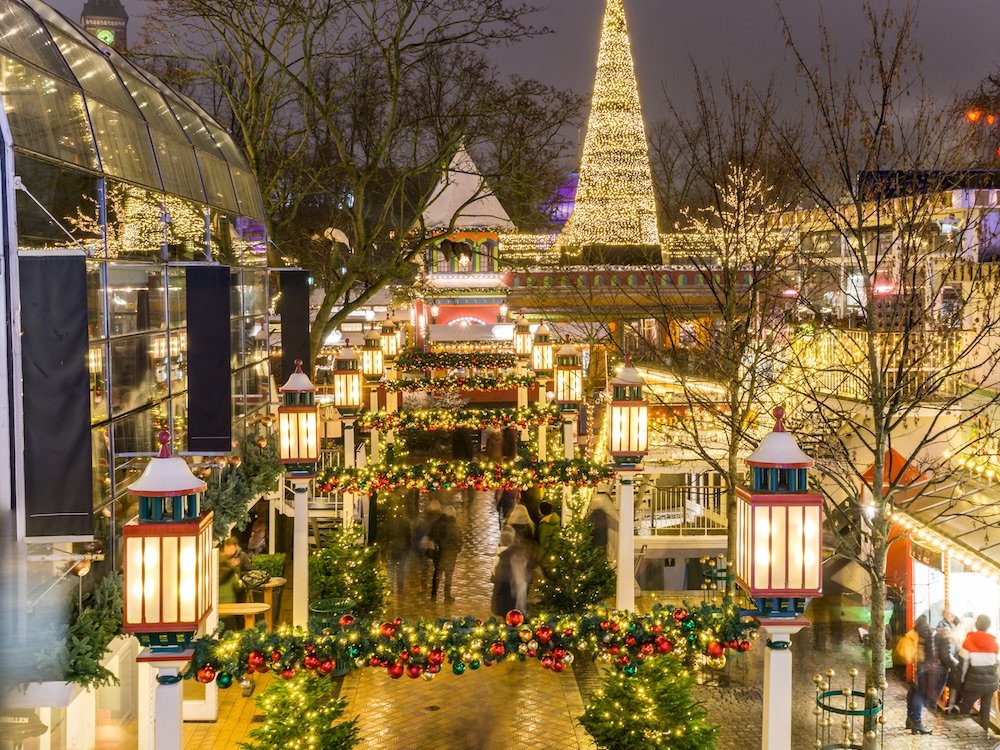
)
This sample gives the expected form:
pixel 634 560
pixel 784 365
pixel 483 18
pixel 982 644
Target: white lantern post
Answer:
pixel 779 562
pixel 347 399
pixel 372 366
pixel 541 362
pixel 168 586
pixel 522 349
pixel 629 440
pixel 569 395
pixel 298 449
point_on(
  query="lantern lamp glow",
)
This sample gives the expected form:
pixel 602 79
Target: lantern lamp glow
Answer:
pixel 168 555
pixel 298 419
pixel 629 418
pixel 390 340
pixel 372 357
pixel 346 382
pixel 569 378
pixel 522 337
pixel 541 352
pixel 779 527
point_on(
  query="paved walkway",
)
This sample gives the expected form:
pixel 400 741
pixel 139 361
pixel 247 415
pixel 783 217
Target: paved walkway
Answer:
pixel 523 705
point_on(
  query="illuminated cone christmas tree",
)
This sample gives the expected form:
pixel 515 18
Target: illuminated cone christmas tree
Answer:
pixel 614 200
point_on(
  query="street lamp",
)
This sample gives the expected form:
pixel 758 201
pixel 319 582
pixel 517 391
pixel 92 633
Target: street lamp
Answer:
pixel 347 399
pixel 435 311
pixel 504 309
pixel 629 418
pixel 541 352
pixel 779 562
pixel 569 394
pixel 169 583
pixel 372 356
pixel 522 337
pixel 628 444
pixel 390 340
pixel 298 442
pixel 298 419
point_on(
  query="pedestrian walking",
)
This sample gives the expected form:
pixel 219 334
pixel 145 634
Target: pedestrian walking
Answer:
pixel 494 445
pixel 506 499
pixel 421 540
pixel 549 527
pixel 520 520
pixel 979 680
pixel 503 600
pixel 926 672
pixel 947 653
pixel 398 542
pixel 447 539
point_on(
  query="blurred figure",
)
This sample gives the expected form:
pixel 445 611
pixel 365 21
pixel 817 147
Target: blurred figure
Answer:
pixel 548 531
pixel 447 538
pixel 926 670
pixel 233 563
pixel 421 541
pixel 503 600
pixel 510 441
pixel 506 500
pixel 398 541
pixel 947 653
pixel 494 445
pixel 979 679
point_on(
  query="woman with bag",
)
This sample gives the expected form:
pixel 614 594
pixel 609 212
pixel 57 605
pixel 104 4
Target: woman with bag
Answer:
pixel 926 673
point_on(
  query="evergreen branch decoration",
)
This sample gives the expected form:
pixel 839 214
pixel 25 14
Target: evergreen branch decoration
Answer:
pixel 453 419
pixel 413 359
pixel 691 634
pixel 240 482
pixel 502 382
pixel 91 630
pixel 435 475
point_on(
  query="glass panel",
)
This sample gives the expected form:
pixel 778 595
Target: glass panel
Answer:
pixel 124 145
pixel 101 451
pixel 252 240
pixel 239 399
pixel 221 238
pixel 177 298
pixel 178 361
pixel 135 222
pixel 137 373
pixel 94 73
pixel 186 225
pixel 22 34
pixel 194 127
pixel 177 166
pixel 218 185
pixel 236 341
pixel 256 292
pixel 96 327
pixel 68 194
pixel 97 357
pixel 257 385
pixel 254 339
pixel 136 299
pixel 133 434
pixel 152 105
pixel 178 405
pixel 226 145
pixel 46 114
pixel 248 193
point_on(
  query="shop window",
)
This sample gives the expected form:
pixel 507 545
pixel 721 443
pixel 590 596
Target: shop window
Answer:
pixel 135 299
pixel 72 196
pixel 138 372
pixel 221 238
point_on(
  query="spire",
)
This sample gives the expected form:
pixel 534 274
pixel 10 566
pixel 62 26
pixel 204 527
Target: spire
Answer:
pixel 614 201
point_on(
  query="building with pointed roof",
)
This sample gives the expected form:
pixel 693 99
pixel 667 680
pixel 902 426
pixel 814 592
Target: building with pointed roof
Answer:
pixel 108 21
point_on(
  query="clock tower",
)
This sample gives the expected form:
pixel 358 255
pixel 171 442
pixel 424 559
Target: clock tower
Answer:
pixel 107 20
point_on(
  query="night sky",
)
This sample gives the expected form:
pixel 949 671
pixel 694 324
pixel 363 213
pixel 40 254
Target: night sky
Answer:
pixel 958 39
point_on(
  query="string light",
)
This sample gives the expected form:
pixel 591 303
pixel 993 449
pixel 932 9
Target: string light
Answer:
pixel 452 419
pixel 614 200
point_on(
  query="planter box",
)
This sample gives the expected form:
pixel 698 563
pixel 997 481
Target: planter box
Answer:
pixel 51 694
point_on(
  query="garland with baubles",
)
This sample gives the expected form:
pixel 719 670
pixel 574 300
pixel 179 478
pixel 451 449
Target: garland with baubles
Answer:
pixel 443 475
pixel 453 419
pixel 502 382
pixel 413 359
pixel 693 634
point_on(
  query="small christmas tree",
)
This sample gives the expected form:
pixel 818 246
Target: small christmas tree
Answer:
pixel 300 713
pixel 347 569
pixel 577 571
pixel 652 709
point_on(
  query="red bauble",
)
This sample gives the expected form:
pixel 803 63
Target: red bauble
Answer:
pixel 664 646
pixel 346 620
pixel 630 641
pixel 434 668
pixel 559 653
pixel 716 649
pixel 531 653
pixel 514 619
pixel 656 629
pixel 647 648
pixel 326 666
pixel 397 621
pixel 624 660
pixel 206 674
pixel 744 645
pixel 255 659
pixel 544 634
pixel 404 655
pixel 498 649
pixel 680 614
pixel 374 661
pixel 310 648
pixel 613 649
pixel 568 632
pixel 275 656
pixel 413 671
pixel 310 661
pixel 287 673
pixel 387 629
pixel 395 670
pixel 615 627
pixel 435 657
pixel 605 625
pixel 558 666
pixel 415 650
pixel 733 644
pixel 548 661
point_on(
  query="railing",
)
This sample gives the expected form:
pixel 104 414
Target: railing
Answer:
pixel 679 511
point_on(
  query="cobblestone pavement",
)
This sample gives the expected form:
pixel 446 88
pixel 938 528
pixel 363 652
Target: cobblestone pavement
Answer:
pixel 522 705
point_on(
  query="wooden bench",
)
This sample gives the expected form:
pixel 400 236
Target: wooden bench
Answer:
pixel 247 610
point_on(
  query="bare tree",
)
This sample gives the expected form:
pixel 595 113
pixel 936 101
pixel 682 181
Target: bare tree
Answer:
pixel 905 315
pixel 351 110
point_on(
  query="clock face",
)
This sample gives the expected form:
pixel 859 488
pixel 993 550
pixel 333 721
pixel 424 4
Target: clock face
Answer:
pixel 106 35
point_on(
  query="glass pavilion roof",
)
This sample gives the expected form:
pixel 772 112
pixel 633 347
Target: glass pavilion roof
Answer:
pixel 70 98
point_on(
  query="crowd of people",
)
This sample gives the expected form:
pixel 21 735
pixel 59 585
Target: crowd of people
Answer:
pixel 954 666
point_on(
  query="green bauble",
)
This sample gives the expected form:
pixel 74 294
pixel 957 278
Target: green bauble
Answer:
pixel 224 680
pixel 458 667
pixel 629 670
pixel 354 650
pixel 474 664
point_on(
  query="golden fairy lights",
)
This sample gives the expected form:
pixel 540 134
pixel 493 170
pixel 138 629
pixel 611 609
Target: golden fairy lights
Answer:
pixel 614 199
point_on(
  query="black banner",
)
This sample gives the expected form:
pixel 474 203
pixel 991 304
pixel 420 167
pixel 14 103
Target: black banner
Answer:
pixel 209 351
pixel 293 307
pixel 58 478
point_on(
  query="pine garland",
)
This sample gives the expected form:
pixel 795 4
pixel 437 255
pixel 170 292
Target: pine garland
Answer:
pixel 453 419
pixel 435 475
pixel 413 359
pixel 423 647
pixel 502 382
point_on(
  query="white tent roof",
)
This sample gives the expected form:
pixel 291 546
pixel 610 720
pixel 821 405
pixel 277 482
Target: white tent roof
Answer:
pixel 456 193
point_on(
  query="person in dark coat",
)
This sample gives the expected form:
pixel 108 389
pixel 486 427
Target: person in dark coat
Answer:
pixel 980 680
pixel 398 541
pixel 947 653
pixel 502 600
pixel 927 670
pixel 506 500
pixel 447 537
pixel 510 440
pixel 461 444
pixel 494 445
